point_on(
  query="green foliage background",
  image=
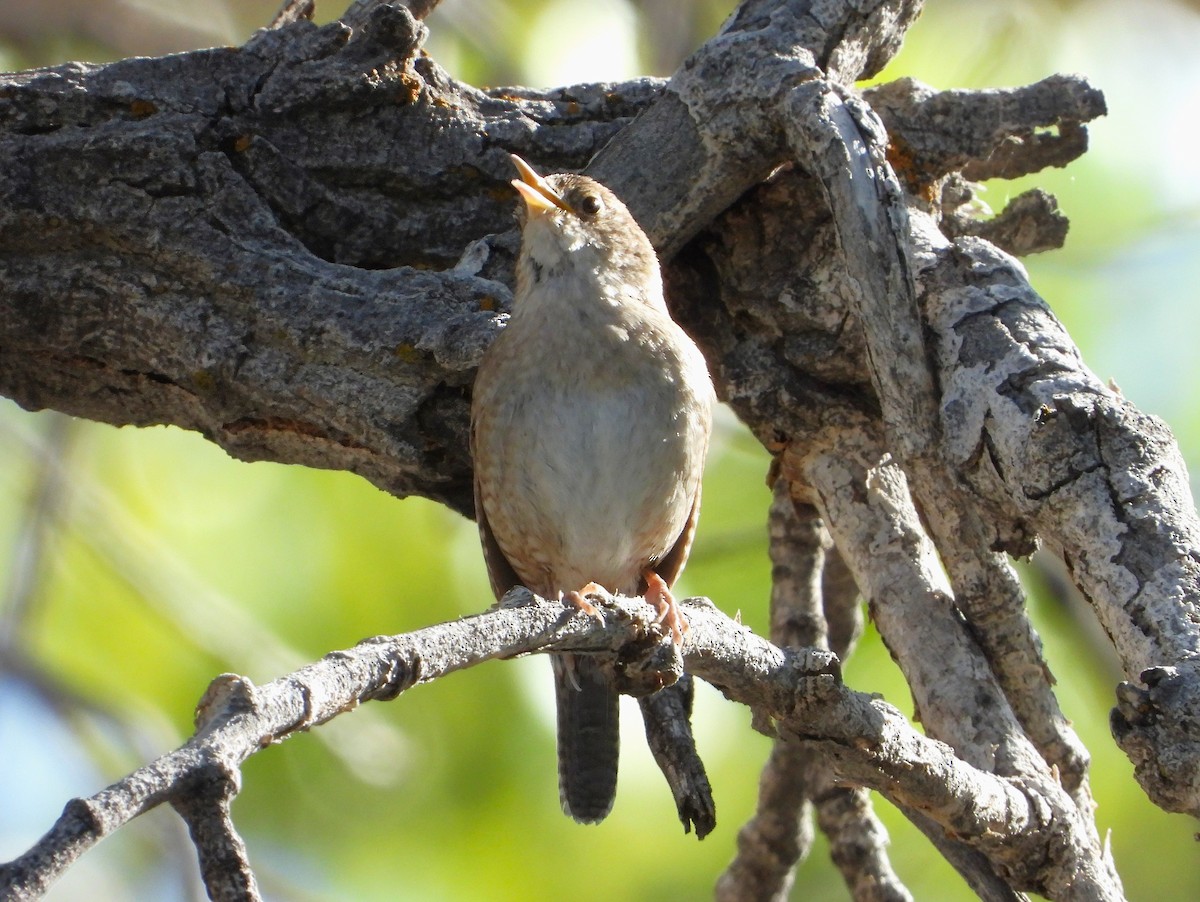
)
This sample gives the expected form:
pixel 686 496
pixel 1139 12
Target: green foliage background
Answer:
pixel 166 563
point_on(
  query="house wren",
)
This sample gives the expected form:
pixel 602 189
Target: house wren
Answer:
pixel 589 426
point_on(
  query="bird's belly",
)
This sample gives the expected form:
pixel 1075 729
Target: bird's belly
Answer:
pixel 606 480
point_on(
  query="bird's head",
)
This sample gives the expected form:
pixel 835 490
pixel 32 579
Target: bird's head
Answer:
pixel 572 226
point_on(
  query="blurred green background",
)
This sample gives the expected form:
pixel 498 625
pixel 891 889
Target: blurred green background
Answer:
pixel 135 565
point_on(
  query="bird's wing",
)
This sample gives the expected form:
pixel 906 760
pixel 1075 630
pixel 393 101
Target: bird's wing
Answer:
pixel 501 573
pixel 670 565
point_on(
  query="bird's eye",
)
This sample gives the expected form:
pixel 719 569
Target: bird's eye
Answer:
pixel 589 205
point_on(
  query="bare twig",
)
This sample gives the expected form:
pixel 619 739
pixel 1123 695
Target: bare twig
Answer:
pixel 293 11
pixel 667 716
pixel 841 600
pixel 1029 223
pixel 857 842
pixel 224 864
pixel 778 837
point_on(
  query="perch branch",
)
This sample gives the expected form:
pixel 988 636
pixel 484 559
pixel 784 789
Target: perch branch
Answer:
pixel 869 742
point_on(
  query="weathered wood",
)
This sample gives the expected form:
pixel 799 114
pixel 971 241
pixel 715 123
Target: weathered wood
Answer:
pixel 301 247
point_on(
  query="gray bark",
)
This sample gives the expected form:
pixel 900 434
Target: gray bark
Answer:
pixel 301 247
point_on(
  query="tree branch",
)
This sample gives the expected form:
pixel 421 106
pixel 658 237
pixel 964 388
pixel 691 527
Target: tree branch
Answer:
pixel 301 247
pixel 869 742
pixel 795 779
pixel 1054 450
pixel 1000 133
pixel 184 199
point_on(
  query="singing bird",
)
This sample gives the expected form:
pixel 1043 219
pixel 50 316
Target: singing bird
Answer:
pixel 590 422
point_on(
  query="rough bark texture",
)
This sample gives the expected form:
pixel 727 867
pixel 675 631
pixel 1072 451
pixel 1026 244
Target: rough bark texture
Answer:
pixel 301 247
pixel 259 243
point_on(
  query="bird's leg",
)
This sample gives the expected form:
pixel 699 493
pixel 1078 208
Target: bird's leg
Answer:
pixel 658 594
pixel 576 598
pixel 569 663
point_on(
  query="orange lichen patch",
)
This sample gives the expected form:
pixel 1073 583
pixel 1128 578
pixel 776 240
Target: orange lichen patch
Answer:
pixel 901 158
pixel 410 88
pixel 140 109
pixel 900 155
pixel 408 353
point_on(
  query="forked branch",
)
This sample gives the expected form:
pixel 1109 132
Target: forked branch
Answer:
pixel 867 740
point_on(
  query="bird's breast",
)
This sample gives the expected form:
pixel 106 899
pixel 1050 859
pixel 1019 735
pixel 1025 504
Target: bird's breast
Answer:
pixel 589 451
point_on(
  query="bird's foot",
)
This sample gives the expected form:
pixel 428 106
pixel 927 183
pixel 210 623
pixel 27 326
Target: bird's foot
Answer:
pixel 658 594
pixel 577 598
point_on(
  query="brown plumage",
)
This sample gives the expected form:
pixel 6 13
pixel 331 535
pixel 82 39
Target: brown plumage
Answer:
pixel 589 426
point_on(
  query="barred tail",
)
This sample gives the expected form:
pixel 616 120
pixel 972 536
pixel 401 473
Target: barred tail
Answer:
pixel 588 737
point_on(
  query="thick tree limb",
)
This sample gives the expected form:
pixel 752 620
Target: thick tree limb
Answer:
pixel 1053 442
pixel 207 211
pixel 301 247
pixel 869 216
pixel 864 499
pixel 697 149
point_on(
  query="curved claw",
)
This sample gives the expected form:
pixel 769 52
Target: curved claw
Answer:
pixel 576 598
pixel 658 595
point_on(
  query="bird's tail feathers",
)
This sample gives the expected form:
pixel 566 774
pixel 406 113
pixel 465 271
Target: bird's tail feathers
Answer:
pixel 588 737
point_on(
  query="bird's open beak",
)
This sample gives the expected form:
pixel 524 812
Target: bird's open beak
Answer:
pixel 539 196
